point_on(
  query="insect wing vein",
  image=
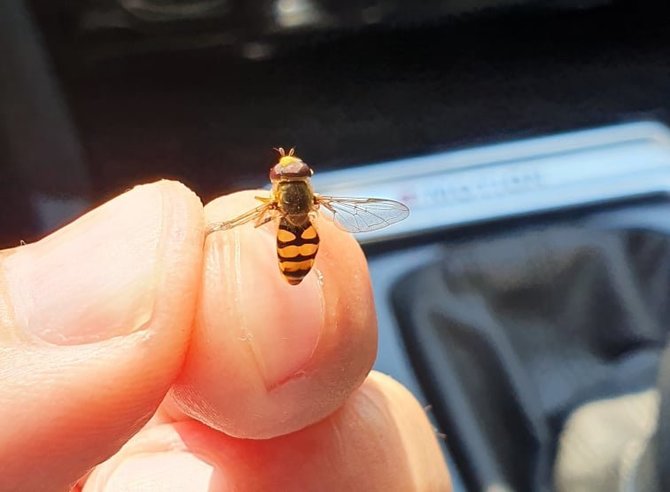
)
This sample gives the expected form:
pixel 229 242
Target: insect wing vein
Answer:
pixel 363 214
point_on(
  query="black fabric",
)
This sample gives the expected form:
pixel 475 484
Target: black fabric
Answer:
pixel 509 334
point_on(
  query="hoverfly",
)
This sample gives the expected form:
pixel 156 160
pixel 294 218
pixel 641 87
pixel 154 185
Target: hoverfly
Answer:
pixel 293 201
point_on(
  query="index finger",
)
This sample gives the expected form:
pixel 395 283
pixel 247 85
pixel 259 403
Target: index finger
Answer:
pixel 268 358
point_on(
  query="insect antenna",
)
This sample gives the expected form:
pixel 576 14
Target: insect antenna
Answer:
pixel 279 150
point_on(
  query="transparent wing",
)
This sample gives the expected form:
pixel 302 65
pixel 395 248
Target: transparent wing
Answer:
pixel 260 214
pixel 363 214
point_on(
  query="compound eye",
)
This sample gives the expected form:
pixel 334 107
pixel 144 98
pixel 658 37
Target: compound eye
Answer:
pixel 275 173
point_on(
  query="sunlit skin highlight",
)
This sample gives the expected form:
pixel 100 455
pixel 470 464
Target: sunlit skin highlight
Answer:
pixel 94 403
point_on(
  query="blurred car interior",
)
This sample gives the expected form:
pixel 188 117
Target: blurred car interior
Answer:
pixel 524 301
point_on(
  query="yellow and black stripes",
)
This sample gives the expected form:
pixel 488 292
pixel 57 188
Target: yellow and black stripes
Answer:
pixel 296 249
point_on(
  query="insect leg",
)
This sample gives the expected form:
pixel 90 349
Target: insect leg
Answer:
pixel 263 219
pixel 254 214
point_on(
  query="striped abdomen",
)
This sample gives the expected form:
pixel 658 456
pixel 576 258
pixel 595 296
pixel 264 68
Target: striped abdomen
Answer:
pixel 296 249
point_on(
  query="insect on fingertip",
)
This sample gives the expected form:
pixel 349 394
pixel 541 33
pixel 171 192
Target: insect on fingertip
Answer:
pixel 293 201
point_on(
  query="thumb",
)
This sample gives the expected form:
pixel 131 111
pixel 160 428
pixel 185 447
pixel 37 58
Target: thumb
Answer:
pixel 94 323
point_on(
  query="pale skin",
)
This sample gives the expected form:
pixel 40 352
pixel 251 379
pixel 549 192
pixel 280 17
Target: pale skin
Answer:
pixel 130 354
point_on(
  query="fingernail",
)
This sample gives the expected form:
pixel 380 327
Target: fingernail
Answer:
pixel 95 278
pixel 280 323
pixel 164 471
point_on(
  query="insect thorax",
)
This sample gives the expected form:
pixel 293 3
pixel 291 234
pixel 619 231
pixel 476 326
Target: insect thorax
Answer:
pixel 295 199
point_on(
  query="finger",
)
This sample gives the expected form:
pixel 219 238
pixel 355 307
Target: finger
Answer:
pixel 268 358
pixel 380 440
pixel 94 325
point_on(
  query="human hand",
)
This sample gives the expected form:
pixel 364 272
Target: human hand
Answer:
pixel 129 350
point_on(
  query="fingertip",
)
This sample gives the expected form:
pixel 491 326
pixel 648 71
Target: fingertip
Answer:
pixel 179 277
pixel 100 316
pixel 380 440
pixel 286 355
